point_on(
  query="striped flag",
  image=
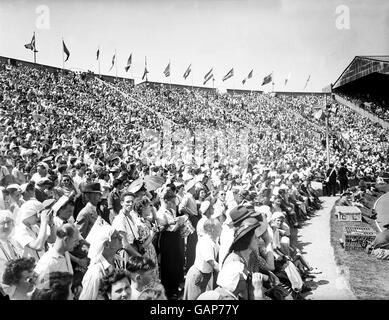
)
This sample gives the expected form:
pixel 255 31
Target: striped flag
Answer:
pixel 113 62
pixel 287 78
pixel 208 74
pixel 229 75
pixel 208 78
pixel 188 71
pixel 249 76
pixel 66 51
pixel 306 83
pixel 267 79
pixel 167 70
pixel 31 45
pixel 129 61
pixel 146 71
pixel 98 54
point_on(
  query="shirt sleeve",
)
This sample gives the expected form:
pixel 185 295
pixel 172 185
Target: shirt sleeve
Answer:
pixel 90 284
pixel 82 223
pixel 207 251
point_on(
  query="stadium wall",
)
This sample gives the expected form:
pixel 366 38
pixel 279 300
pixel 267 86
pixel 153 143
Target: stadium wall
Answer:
pixel 154 85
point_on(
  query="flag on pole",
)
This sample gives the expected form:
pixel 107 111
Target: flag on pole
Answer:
pixel 306 83
pixel 129 61
pixel 113 62
pixel 249 76
pixel 208 74
pixel 207 79
pixel 146 71
pixel 188 71
pixel 98 54
pixel 229 75
pixel 66 51
pixel 287 78
pixel 267 79
pixel 167 70
pixel 31 45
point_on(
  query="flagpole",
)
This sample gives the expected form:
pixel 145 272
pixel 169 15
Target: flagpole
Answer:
pixel 63 58
pixel 116 65
pixel 34 49
pixel 191 75
pixel 98 61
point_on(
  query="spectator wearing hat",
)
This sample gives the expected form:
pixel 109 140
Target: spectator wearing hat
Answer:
pixel 35 228
pixel 15 198
pixel 42 189
pixel 114 202
pixel 28 190
pixel 235 279
pixel 88 215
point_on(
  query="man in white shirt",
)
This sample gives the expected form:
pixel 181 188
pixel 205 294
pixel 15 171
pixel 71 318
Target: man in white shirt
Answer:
pixel 125 224
pixel 103 247
pixel 41 173
pixel 143 273
pixel 57 258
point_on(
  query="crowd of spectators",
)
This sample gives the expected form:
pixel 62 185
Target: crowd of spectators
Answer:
pixel 89 211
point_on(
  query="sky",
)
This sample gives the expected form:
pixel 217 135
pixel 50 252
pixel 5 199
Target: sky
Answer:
pixel 299 37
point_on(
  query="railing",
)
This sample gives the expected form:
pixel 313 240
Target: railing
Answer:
pixel 362 112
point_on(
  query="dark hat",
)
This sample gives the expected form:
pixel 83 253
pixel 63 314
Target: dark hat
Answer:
pixel 252 222
pixel 239 213
pixel 91 188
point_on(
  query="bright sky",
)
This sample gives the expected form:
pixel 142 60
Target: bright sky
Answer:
pixel 284 36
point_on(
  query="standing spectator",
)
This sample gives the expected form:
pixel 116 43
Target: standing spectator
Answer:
pixel 88 215
pixel 103 247
pixel 57 258
pixel 343 177
pixel 114 202
pixel 33 232
pixel 172 263
pixel 331 178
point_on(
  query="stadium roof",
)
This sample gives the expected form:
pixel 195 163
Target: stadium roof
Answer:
pixel 362 66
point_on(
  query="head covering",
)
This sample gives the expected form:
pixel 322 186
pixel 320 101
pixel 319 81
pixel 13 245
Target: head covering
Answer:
pixel 92 188
pixel 277 215
pixel 97 237
pixel 23 187
pixel 190 184
pixel 13 187
pixel 29 208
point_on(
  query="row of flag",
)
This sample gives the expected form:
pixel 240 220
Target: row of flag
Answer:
pixel 208 76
